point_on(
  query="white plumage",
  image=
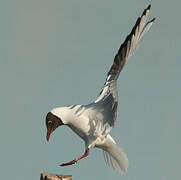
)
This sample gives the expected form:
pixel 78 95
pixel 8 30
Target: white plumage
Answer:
pixel 93 122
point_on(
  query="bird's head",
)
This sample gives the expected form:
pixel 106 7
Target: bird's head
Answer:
pixel 52 122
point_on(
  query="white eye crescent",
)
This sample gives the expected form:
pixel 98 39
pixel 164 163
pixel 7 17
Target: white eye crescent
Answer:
pixel 50 122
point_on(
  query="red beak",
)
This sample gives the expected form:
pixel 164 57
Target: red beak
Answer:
pixel 48 134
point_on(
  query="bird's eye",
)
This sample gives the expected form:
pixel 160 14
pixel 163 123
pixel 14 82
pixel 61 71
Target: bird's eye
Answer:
pixel 50 123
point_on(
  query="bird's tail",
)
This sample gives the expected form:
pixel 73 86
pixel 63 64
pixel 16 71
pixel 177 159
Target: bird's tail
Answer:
pixel 114 155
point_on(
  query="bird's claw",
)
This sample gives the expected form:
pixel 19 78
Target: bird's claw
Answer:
pixel 77 159
pixel 69 163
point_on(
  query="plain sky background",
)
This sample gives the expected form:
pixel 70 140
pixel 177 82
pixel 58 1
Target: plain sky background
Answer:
pixel 58 52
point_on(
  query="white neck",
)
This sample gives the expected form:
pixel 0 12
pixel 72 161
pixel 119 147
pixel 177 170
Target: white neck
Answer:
pixel 64 113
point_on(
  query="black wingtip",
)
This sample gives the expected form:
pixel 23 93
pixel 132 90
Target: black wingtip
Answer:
pixel 149 7
pixel 153 20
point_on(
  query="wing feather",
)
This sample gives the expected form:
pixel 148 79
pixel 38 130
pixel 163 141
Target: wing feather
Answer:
pixel 124 53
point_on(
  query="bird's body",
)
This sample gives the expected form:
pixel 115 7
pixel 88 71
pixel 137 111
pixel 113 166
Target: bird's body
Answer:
pixel 86 121
pixel 93 122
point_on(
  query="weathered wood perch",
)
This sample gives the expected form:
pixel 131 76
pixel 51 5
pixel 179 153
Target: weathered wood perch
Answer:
pixel 46 176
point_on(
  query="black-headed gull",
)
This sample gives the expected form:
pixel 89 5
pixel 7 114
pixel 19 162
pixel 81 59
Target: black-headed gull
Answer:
pixel 93 122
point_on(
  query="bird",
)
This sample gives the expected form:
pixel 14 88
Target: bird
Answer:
pixel 94 121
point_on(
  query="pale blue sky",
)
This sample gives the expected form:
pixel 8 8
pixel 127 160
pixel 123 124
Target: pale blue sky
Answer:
pixel 58 52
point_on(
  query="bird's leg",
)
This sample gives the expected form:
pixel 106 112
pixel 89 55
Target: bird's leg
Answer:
pixel 77 159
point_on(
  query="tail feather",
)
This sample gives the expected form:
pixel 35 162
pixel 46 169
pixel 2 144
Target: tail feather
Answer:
pixel 114 155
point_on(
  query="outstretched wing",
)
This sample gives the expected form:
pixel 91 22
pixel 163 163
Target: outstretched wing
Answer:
pixel 125 52
pixel 105 107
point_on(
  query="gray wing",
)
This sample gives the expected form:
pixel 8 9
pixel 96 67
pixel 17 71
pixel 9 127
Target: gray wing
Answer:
pixel 107 101
pixel 102 115
pixel 124 53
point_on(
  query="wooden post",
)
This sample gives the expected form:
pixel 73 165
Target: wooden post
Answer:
pixel 46 176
